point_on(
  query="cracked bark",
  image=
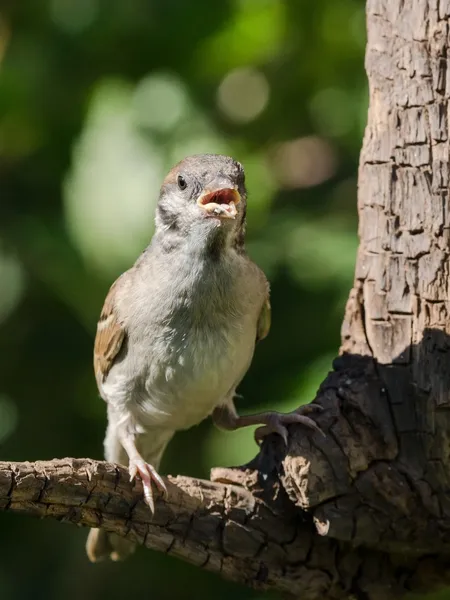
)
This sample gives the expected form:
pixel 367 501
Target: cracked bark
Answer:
pixel 365 512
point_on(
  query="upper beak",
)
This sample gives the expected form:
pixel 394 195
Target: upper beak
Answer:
pixel 219 200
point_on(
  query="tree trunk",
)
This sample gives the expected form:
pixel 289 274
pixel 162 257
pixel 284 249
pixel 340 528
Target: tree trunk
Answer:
pixel 365 511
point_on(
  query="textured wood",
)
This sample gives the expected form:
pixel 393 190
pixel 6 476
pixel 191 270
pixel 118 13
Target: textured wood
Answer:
pixel 217 526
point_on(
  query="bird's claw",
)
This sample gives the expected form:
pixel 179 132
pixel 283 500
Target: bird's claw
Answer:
pixel 274 422
pixel 148 475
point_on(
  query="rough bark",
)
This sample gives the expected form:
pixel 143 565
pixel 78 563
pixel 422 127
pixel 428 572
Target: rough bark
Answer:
pixel 381 478
pixel 249 533
pixel 364 512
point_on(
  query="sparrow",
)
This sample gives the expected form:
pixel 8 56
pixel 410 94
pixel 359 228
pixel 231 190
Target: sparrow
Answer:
pixel 178 330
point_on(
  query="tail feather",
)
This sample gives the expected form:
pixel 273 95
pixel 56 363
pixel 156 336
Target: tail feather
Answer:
pixel 100 545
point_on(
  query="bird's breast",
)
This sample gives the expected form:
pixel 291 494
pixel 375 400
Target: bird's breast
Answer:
pixel 191 339
pixel 192 371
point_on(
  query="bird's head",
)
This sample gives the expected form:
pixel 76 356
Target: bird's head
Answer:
pixel 204 195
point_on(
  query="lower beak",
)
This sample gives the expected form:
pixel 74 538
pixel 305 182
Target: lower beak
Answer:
pixel 220 202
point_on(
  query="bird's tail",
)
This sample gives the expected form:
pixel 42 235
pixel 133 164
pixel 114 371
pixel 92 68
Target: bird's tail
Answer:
pixel 100 544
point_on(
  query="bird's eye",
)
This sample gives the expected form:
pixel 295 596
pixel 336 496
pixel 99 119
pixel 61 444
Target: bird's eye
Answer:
pixel 182 184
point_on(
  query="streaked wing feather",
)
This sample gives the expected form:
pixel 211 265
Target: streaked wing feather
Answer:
pixel 110 336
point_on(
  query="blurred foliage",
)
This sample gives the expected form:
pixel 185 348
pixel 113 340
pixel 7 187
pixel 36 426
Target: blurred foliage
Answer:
pixel 97 99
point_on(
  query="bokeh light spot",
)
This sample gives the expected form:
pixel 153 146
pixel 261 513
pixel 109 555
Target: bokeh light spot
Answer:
pixel 255 33
pixel 112 188
pixel 159 102
pixel 243 94
pixel 303 162
pixel 73 16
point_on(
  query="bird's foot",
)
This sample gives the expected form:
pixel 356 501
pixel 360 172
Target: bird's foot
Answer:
pixel 148 474
pixel 275 422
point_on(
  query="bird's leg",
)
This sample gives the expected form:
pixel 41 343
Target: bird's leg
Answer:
pixel 226 417
pixel 137 465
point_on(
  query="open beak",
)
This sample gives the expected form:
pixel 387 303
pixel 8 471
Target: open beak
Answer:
pixel 220 202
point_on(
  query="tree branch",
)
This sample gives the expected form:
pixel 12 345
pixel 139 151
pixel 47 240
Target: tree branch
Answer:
pixel 220 527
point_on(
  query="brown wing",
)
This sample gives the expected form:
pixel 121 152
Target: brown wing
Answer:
pixel 263 326
pixel 110 336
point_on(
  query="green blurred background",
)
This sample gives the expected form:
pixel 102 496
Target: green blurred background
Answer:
pixel 98 98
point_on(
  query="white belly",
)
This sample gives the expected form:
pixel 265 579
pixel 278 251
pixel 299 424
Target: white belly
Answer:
pixel 184 383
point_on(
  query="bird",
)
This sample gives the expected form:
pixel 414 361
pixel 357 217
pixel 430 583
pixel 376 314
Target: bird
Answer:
pixel 178 330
